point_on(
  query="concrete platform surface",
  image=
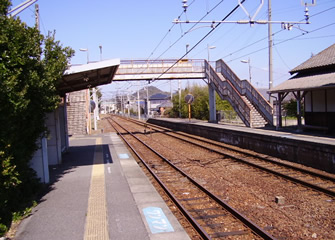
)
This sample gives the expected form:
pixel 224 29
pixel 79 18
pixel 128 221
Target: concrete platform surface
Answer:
pixel 310 149
pixel 99 192
pixel 304 137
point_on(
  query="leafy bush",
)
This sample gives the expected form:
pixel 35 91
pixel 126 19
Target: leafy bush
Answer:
pixel 200 106
pixel 291 108
pixel 28 90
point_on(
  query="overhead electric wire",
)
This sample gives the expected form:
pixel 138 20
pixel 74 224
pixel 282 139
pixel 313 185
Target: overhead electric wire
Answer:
pixel 228 15
pixel 249 45
pixel 283 61
pixel 173 25
pixel 273 34
pixel 286 40
pixel 289 39
pixel 264 38
pixel 182 34
pixel 327 36
pixel 189 29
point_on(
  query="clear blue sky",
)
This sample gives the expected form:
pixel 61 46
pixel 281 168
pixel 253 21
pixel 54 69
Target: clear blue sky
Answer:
pixel 132 29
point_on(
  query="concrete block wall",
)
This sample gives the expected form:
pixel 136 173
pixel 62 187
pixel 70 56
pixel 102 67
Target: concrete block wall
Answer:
pixel 76 112
pixel 317 155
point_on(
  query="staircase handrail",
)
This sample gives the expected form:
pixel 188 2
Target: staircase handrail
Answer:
pixel 161 65
pixel 246 89
pixel 227 91
pixel 258 99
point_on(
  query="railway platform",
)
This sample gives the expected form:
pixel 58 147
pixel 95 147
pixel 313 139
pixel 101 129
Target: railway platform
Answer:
pixel 308 149
pixel 100 192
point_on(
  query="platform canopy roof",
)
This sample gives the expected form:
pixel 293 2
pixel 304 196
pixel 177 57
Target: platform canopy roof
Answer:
pixel 318 72
pixel 318 81
pixel 79 77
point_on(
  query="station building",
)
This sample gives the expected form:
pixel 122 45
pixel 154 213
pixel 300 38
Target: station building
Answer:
pixel 313 85
pixel 76 79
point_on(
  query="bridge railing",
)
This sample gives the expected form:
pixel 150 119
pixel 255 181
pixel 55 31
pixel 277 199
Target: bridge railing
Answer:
pixel 160 66
pixel 246 89
pixel 228 92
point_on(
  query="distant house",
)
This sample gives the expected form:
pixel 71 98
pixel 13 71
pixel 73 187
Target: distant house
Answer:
pixel 158 103
pixel 313 84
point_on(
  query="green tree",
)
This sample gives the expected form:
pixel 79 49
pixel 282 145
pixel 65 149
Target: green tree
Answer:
pixel 200 106
pixel 28 90
pixel 291 108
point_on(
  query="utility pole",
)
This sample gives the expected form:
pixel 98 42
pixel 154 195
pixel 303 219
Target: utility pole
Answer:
pixel 138 104
pixel 148 102
pixel 252 20
pixel 270 49
pixel 100 47
pixel 179 93
pixel 96 109
pixel 37 17
pixel 128 101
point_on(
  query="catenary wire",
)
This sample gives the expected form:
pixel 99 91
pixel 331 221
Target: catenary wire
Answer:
pixel 203 38
pixel 170 29
pixel 286 40
pixel 189 30
pixel 264 38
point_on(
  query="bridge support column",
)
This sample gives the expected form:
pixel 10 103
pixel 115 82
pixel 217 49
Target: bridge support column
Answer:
pixel 212 105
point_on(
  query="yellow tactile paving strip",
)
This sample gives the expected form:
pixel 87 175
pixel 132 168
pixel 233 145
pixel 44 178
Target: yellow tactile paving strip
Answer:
pixel 96 219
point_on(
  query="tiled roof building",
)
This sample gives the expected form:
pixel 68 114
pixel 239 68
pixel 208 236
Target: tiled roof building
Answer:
pixel 313 84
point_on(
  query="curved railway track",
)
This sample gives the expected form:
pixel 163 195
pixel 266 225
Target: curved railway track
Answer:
pixel 317 181
pixel 212 217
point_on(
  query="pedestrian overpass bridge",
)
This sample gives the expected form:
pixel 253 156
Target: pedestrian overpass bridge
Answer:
pixel 249 104
pixel 135 70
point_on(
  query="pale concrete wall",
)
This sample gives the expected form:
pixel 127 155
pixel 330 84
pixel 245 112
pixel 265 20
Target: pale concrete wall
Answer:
pixel 40 163
pixel 54 138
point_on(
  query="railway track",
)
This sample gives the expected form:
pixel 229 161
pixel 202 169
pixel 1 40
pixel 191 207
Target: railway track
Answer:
pixel 212 217
pixel 320 182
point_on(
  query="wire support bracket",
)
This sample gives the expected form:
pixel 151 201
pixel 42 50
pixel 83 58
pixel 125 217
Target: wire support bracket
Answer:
pixel 286 25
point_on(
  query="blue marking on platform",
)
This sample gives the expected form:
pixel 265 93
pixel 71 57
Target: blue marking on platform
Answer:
pixel 123 155
pixel 157 220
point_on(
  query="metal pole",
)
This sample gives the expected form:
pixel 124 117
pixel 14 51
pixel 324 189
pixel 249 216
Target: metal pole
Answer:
pixel 249 70
pixel 189 112
pixel 187 45
pixel 270 50
pixel 148 105
pixel 122 107
pixel 138 104
pixel 208 56
pixel 88 101
pixel 37 17
pixel 100 52
pixel 128 99
pixel 171 90
pixel 298 111
pixel 179 92
pixel 96 109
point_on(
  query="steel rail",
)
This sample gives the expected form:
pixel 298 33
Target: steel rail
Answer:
pixel 192 221
pixel 325 177
pixel 292 179
pixel 254 227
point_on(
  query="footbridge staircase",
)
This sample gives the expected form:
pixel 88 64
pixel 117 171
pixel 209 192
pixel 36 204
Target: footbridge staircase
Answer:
pixel 248 103
pixel 253 109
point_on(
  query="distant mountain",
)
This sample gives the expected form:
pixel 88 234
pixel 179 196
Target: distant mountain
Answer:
pixel 151 91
